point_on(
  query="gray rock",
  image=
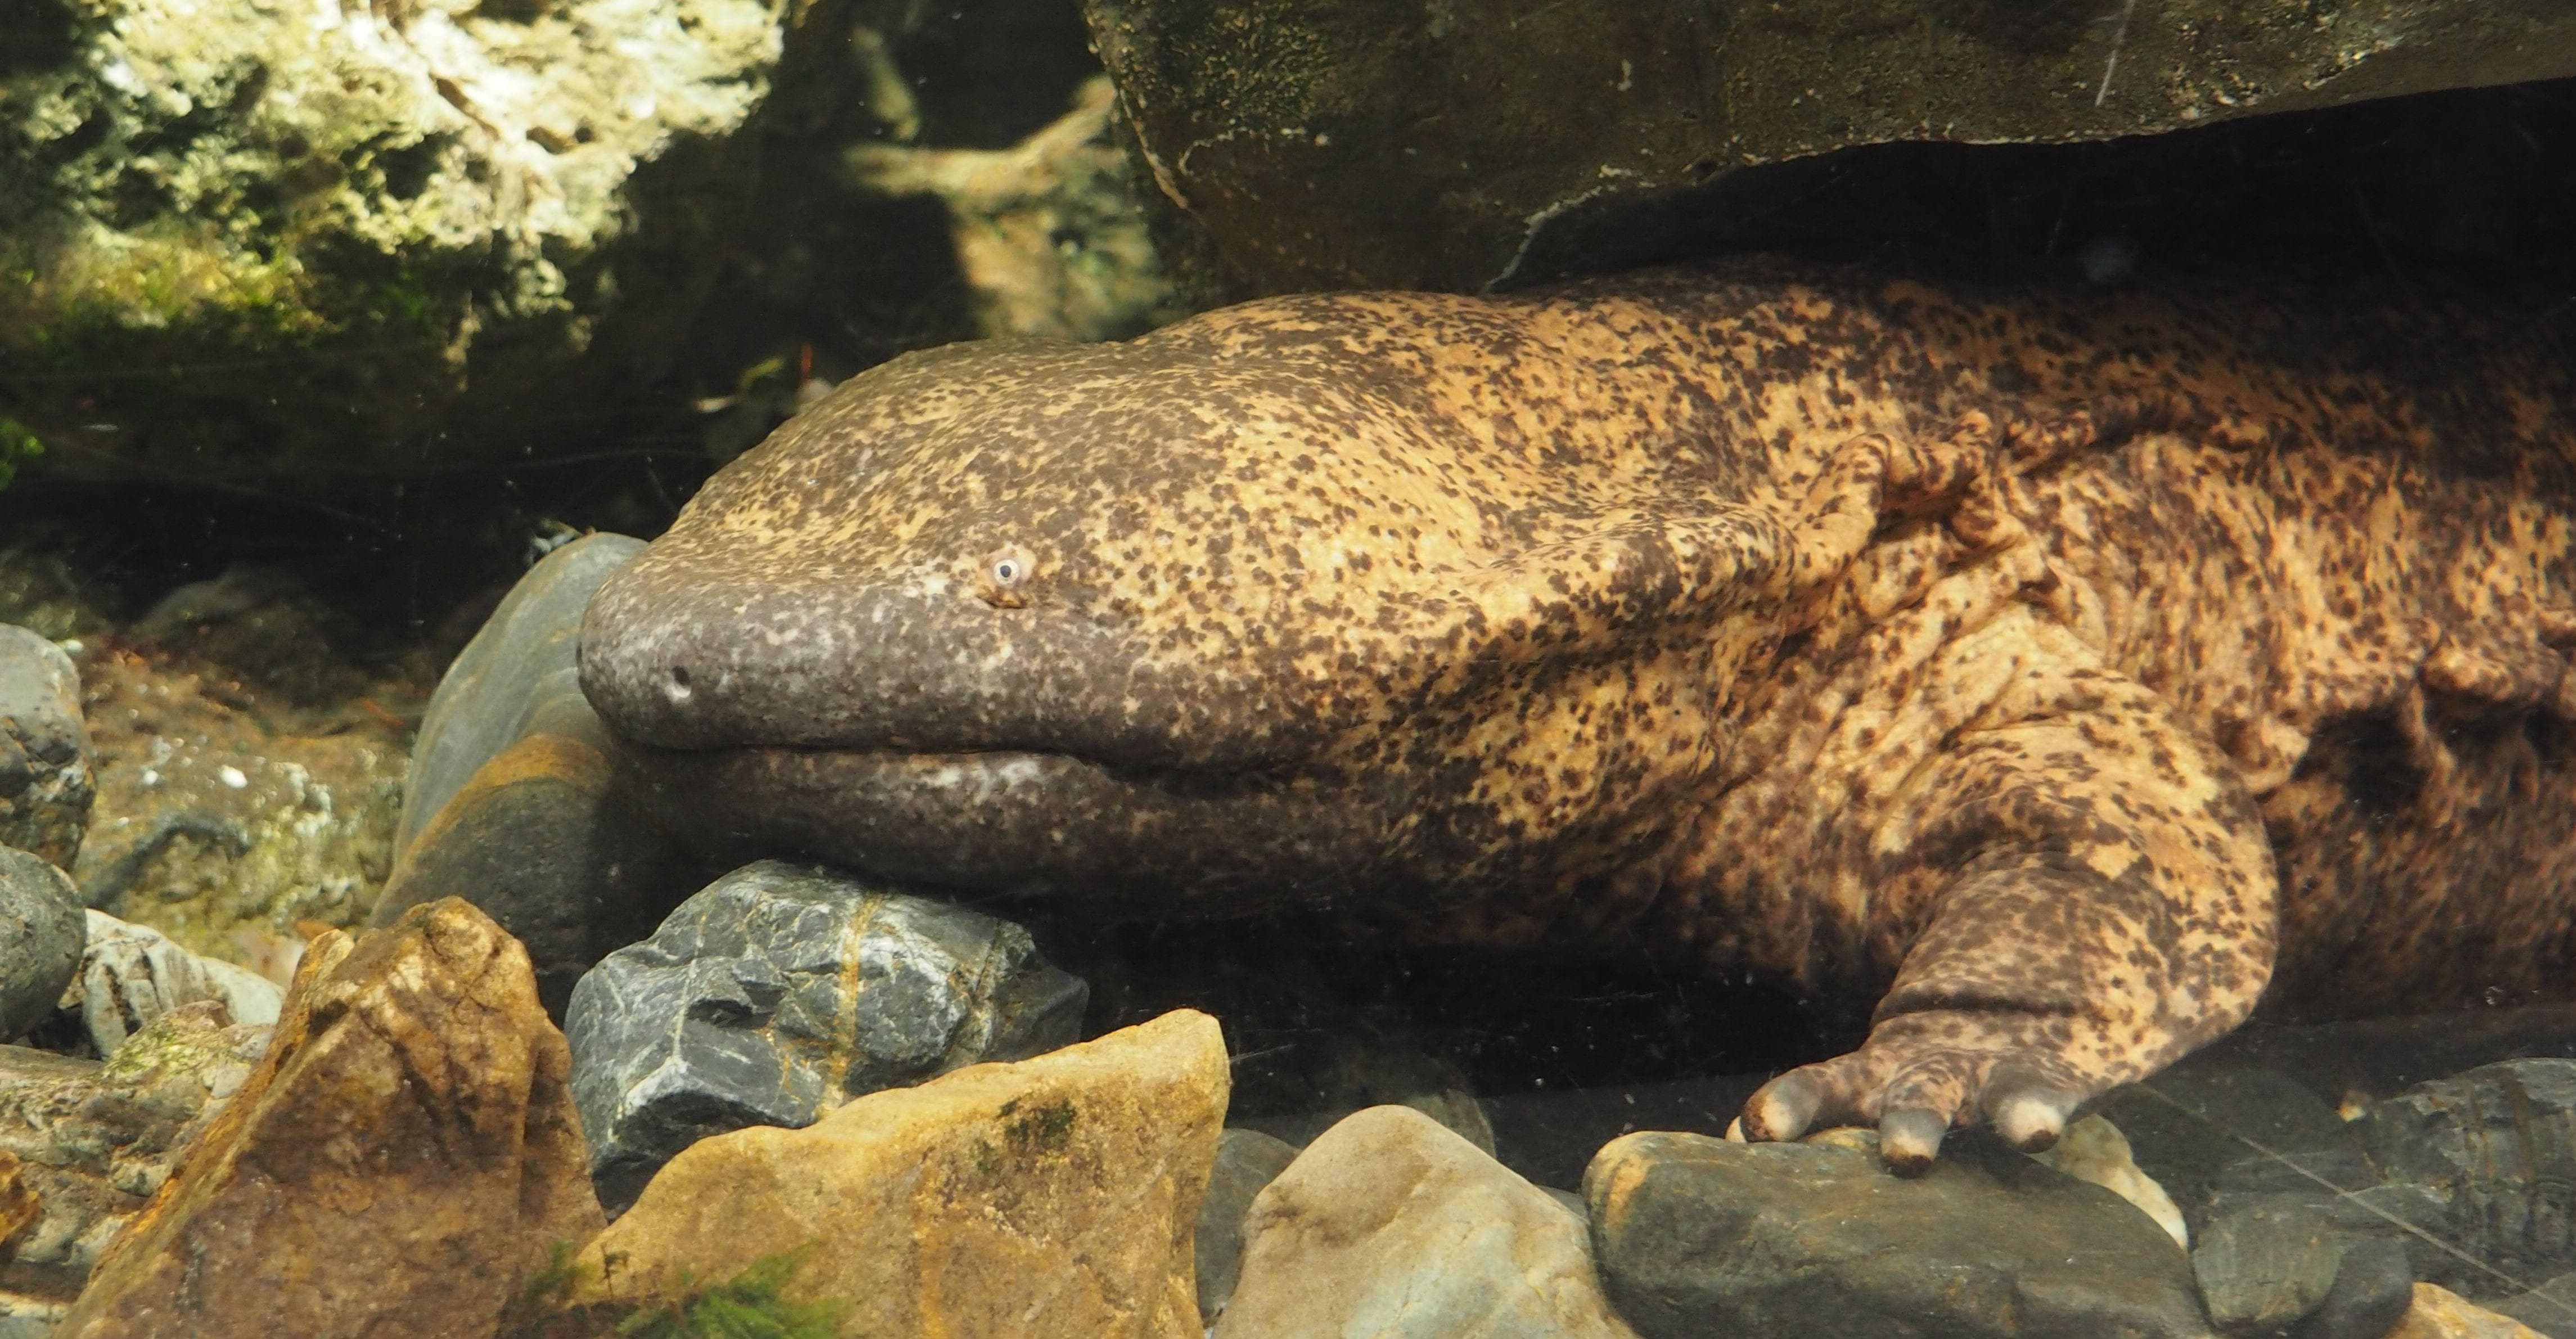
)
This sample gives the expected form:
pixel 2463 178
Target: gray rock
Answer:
pixel 2189 1128
pixel 1389 1226
pixel 1696 1236
pixel 512 802
pixel 781 991
pixel 2549 1308
pixel 2495 1150
pixel 1246 1161
pixel 45 783
pixel 2286 1263
pixel 516 678
pixel 1352 143
pixel 132 974
pixel 40 939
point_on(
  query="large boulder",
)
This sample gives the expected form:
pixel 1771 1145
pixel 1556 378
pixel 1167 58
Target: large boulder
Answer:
pixel 1460 146
pixel 41 933
pixel 320 225
pixel 1051 1198
pixel 400 1162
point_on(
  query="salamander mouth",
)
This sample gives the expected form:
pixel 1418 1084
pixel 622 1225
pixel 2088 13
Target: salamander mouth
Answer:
pixel 1024 824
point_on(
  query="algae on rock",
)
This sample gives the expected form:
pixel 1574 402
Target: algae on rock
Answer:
pixel 311 225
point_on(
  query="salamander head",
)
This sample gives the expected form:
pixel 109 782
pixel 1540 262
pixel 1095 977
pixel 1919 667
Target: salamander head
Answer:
pixel 1255 610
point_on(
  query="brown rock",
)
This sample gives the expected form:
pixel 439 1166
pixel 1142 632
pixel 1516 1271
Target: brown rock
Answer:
pixel 93 1141
pixel 18 1205
pixel 401 1158
pixel 2439 1313
pixel 1045 1198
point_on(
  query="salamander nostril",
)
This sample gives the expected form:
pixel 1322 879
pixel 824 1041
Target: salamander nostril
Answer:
pixel 676 688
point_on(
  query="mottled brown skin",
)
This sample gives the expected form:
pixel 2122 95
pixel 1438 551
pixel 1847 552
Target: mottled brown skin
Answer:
pixel 2038 661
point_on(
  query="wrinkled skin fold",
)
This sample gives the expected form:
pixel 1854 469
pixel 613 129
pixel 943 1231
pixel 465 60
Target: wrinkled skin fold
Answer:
pixel 2059 668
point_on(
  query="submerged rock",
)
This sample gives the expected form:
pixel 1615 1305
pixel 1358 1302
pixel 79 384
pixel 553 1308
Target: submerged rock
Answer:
pixel 45 783
pixel 1390 1226
pixel 512 800
pixel 1246 1161
pixel 132 974
pixel 383 209
pixel 1051 1198
pixel 404 1156
pixel 94 1141
pixel 1353 144
pixel 40 939
pixel 1695 1235
pixel 780 992
pixel 2493 1152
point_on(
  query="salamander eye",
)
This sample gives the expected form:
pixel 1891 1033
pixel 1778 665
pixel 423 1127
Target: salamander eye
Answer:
pixel 1003 578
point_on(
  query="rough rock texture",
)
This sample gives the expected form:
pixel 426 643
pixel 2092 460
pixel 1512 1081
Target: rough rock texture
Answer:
pixel 132 974
pixel 1246 1160
pixel 94 1141
pixel 1698 1236
pixel 402 1157
pixel 40 939
pixel 228 813
pixel 1051 1198
pixel 1049 236
pixel 2549 1308
pixel 2291 1262
pixel 512 802
pixel 2494 1149
pixel 1356 144
pixel 1389 1226
pixel 2441 1314
pixel 375 206
pixel 45 783
pixel 781 991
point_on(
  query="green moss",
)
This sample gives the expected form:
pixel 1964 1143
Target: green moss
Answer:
pixel 18 445
pixel 750 1305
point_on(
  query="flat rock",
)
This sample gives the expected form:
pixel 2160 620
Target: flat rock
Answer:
pixel 93 1141
pixel 2494 1150
pixel 1390 1226
pixel 402 1158
pixel 1696 1236
pixel 41 932
pixel 1246 1160
pixel 45 783
pixel 1051 1198
pixel 781 991
pixel 512 801
pixel 131 974
pixel 1353 144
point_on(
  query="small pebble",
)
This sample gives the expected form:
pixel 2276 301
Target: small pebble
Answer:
pixel 231 776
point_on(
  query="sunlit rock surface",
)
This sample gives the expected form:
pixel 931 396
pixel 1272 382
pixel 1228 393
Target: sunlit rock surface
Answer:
pixel 782 991
pixel 358 204
pixel 1051 1198
pixel 402 1158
